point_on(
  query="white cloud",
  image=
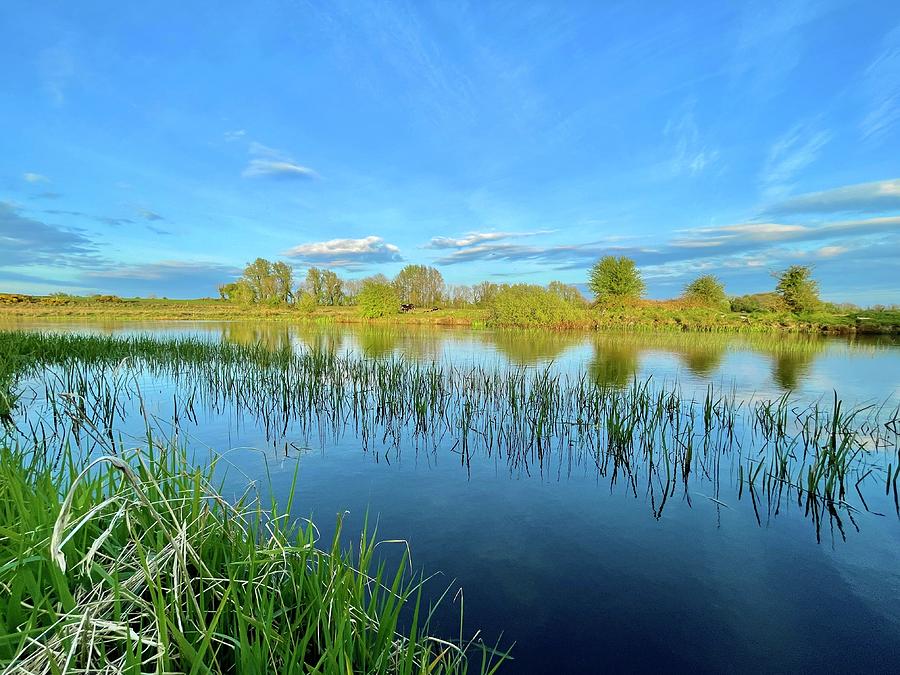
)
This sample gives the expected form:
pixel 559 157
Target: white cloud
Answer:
pixel 35 177
pixel 269 162
pixel 235 135
pixel 472 238
pixel 284 169
pixel 689 154
pixel 881 85
pixel 346 252
pixel 788 156
pixel 874 197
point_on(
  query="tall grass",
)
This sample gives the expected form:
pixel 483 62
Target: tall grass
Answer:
pixel 134 563
pixel 647 436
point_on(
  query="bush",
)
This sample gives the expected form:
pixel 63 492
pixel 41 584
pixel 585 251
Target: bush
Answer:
pixel 615 278
pixel 377 298
pixel 705 290
pixel 13 298
pixel 757 302
pixel 529 305
pixel 797 289
pixel 106 298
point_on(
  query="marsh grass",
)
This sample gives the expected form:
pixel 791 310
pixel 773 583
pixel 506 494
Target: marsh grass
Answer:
pixel 648 437
pixel 134 563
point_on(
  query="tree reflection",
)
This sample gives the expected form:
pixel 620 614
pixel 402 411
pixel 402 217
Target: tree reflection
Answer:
pixel 615 362
pixel 792 360
pixel 273 336
pixel 528 347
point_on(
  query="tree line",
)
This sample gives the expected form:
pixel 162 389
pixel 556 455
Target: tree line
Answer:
pixel 612 279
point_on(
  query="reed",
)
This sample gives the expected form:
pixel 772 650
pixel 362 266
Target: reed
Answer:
pixel 133 563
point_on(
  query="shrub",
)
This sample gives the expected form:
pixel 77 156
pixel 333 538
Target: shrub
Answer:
pixel 377 298
pixel 529 305
pixel 705 290
pixel 757 302
pixel 13 298
pixel 615 278
pixel 797 288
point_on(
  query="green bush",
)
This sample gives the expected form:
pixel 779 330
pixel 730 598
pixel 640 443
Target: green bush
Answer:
pixel 376 299
pixel 529 305
pixel 797 289
pixel 756 302
pixel 616 278
pixel 705 290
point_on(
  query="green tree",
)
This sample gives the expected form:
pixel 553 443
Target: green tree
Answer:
pixel 377 298
pixel 705 290
pixel 238 291
pixel 615 278
pixel 315 285
pixel 260 279
pixel 419 285
pixel 568 292
pixel 332 289
pixel 485 291
pixel 797 288
pixel 283 282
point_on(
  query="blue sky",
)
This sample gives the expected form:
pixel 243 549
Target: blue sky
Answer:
pixel 157 147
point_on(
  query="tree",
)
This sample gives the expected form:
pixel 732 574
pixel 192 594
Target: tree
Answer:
pixel 283 282
pixel 797 288
pixel 705 290
pixel 419 285
pixel 567 292
pixel 486 291
pixel 238 291
pixel 258 276
pixel 615 278
pixel 314 284
pixel 377 298
pixel 332 289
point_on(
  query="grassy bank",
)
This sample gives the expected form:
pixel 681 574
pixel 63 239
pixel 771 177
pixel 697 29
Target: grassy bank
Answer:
pixel 134 564
pixel 642 315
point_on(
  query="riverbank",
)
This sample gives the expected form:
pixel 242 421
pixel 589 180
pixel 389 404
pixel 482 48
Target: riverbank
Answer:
pixel 644 315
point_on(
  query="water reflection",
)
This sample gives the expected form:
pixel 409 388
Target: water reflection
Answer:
pixel 793 360
pixel 614 363
pixel 531 347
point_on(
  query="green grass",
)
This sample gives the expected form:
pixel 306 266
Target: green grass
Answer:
pixel 134 563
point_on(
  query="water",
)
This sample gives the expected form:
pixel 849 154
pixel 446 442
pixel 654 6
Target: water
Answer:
pixel 578 569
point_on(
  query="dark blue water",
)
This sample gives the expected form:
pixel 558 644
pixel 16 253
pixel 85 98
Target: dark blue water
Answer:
pixel 580 569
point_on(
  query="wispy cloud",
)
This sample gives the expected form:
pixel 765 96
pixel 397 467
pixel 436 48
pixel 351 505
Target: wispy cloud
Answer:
pixel 788 156
pixel 875 197
pixel 35 177
pixel 881 85
pixel 56 67
pixel 236 135
pixel 147 214
pixel 269 162
pixel 174 278
pixel 166 269
pixel 28 241
pixel 346 252
pixel 471 238
pixel 690 155
pixel 691 245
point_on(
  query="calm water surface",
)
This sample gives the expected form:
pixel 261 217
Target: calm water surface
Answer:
pixel 577 569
